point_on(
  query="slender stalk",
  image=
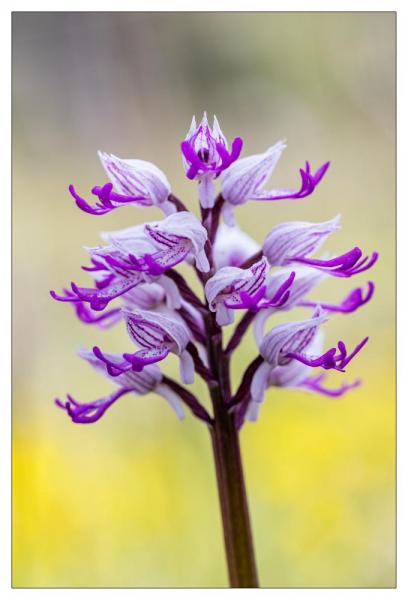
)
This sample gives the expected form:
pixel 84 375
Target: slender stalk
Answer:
pixel 229 471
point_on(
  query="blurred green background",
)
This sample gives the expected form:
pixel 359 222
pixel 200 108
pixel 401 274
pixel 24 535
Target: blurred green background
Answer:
pixel 131 500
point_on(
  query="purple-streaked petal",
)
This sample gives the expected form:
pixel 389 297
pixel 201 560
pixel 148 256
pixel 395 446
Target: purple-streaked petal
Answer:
pixel 179 232
pixel 186 367
pixel 133 177
pixel 296 239
pixel 245 176
pixel 290 337
pixel 235 288
pixel 149 329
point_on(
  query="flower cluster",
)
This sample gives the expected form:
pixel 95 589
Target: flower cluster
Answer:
pixel 135 283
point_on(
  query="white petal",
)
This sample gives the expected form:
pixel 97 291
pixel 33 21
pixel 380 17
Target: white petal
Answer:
pixel 172 398
pixel 260 383
pixel 252 413
pixel 186 367
pixel 206 192
pixel 202 263
pixel 132 240
pixel 258 325
pixel 224 315
pixel 173 297
pixel 228 214
pixel 168 208
pixel 232 246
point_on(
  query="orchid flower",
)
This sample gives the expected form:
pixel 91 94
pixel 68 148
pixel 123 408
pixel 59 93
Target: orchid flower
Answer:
pixel 289 341
pixel 149 380
pixel 295 241
pixel 307 278
pixel 233 288
pixel 245 179
pixel 169 242
pixel 294 375
pixel 134 182
pixel 157 336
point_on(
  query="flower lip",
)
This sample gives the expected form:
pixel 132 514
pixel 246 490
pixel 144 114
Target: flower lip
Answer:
pixel 308 183
pixel 330 360
pixel 349 304
pixel 346 265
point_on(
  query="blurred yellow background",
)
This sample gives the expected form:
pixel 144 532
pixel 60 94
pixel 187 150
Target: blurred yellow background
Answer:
pixel 131 500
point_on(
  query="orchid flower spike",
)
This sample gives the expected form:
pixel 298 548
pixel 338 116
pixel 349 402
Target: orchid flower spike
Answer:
pixel 132 181
pixel 206 155
pixel 163 312
pixel 149 380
